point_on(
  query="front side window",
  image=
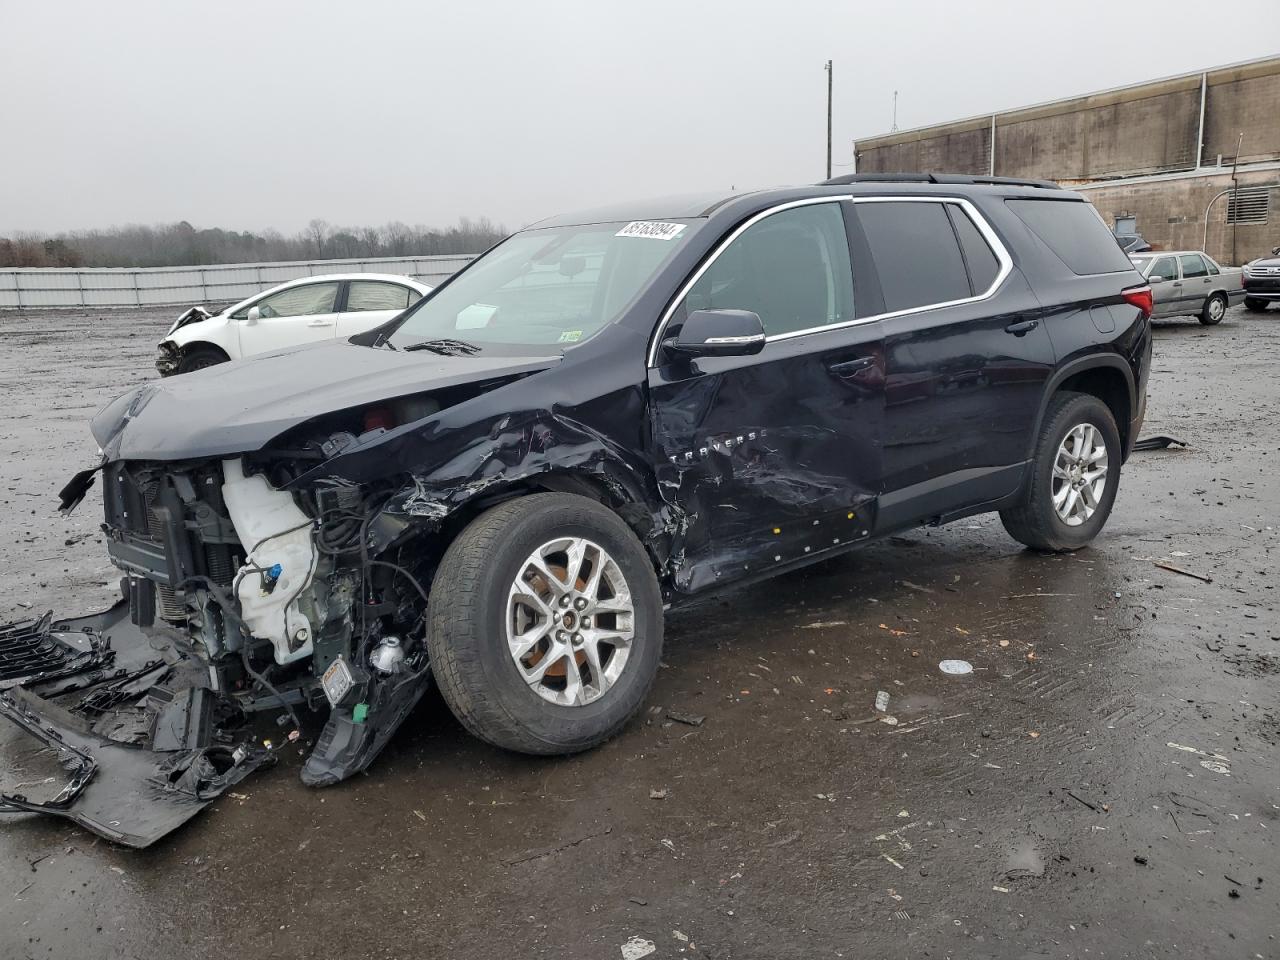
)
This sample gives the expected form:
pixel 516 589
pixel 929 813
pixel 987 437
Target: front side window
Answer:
pixel 364 295
pixel 916 253
pixel 302 301
pixel 1192 266
pixel 792 268
pixel 547 288
pixel 1165 268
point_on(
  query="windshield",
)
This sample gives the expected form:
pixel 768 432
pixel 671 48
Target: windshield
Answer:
pixel 543 288
pixel 1140 263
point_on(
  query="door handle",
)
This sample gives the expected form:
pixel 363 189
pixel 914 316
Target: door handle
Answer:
pixel 1022 327
pixel 1177 283
pixel 319 323
pixel 849 367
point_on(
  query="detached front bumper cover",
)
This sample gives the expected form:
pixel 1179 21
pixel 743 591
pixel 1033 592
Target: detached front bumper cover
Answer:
pixel 125 793
pixel 140 749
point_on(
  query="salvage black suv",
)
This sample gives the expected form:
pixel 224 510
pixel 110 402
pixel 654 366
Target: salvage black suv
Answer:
pixel 503 488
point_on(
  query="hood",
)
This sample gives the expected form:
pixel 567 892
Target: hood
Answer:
pixel 1264 262
pixel 239 407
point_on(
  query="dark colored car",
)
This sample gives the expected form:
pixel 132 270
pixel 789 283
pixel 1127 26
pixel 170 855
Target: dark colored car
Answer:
pixel 1262 282
pixel 605 415
pixel 1132 243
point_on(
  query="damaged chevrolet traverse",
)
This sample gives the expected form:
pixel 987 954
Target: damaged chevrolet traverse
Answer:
pixel 502 489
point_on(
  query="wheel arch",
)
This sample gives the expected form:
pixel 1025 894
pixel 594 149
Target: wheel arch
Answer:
pixel 185 349
pixel 1105 376
pixel 602 482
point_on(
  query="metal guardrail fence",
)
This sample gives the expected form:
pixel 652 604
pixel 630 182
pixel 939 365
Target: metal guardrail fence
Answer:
pixel 218 283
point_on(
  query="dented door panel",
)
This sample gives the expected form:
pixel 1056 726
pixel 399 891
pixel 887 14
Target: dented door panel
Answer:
pixel 773 458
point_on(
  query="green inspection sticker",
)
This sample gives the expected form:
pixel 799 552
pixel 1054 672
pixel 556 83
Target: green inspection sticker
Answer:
pixel 571 336
pixel 360 712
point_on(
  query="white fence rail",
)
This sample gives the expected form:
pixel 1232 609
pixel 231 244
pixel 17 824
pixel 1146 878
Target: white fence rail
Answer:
pixel 221 283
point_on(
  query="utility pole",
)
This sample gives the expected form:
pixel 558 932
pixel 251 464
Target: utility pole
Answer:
pixel 1235 200
pixel 894 127
pixel 829 75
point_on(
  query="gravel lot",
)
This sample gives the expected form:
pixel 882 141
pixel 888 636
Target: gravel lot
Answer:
pixel 1105 784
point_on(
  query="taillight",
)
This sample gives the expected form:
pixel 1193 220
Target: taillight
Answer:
pixel 1140 297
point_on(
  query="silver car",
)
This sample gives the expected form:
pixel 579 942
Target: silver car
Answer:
pixel 1189 283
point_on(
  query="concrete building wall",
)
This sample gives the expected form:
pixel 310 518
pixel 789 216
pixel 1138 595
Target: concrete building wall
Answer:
pixel 1140 135
pixel 1113 135
pixel 955 148
pixel 1243 100
pixel 1170 213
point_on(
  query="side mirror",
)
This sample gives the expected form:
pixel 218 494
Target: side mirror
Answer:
pixel 253 316
pixel 1156 278
pixel 718 333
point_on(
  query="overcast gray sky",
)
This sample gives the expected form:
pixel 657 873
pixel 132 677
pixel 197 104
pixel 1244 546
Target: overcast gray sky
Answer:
pixel 249 115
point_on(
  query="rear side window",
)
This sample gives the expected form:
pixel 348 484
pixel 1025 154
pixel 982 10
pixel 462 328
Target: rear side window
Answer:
pixel 1075 232
pixel 916 253
pixel 374 295
pixel 1192 266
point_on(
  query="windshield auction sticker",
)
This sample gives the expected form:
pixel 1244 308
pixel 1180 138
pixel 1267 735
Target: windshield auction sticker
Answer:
pixel 651 229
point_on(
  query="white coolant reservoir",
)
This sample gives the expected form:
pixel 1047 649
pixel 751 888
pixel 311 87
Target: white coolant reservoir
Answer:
pixel 281 559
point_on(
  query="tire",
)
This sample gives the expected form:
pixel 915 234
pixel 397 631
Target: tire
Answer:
pixel 197 358
pixel 1036 521
pixel 1214 309
pixel 1254 304
pixel 471 611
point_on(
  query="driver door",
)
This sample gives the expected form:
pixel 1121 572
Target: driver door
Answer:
pixel 290 317
pixel 772 458
pixel 1166 287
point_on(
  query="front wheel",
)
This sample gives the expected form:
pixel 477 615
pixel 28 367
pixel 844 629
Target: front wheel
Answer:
pixel 1075 473
pixel 1254 304
pixel 545 624
pixel 1214 309
pixel 197 358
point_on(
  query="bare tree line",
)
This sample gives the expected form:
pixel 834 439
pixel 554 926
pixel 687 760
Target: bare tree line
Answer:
pixel 181 244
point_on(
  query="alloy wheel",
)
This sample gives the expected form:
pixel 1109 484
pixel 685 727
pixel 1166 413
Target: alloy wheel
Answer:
pixel 570 621
pixel 1079 474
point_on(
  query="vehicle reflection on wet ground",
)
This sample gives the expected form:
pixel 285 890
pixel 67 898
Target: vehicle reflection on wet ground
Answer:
pixel 1104 782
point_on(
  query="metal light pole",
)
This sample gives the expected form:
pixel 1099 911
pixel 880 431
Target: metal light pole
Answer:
pixel 829 75
pixel 1235 200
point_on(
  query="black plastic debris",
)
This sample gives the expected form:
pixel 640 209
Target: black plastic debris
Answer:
pixel 1158 443
pixel 31 651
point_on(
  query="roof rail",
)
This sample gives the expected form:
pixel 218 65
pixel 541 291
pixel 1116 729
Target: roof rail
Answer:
pixel 941 178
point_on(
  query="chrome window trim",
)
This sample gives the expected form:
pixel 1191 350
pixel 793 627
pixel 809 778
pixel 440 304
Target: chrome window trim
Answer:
pixel 979 221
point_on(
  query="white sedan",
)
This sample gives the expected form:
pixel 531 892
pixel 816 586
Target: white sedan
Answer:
pixel 294 313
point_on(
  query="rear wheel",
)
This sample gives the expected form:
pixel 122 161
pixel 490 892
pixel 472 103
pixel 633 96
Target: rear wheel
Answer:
pixel 197 358
pixel 1075 474
pixel 1254 304
pixel 1214 309
pixel 545 624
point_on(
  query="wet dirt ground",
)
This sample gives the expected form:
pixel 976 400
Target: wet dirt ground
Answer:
pixel 1104 784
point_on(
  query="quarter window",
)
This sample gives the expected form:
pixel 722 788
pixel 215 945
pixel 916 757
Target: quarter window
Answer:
pixel 916 253
pixel 792 268
pixel 364 295
pixel 1073 230
pixel 1192 266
